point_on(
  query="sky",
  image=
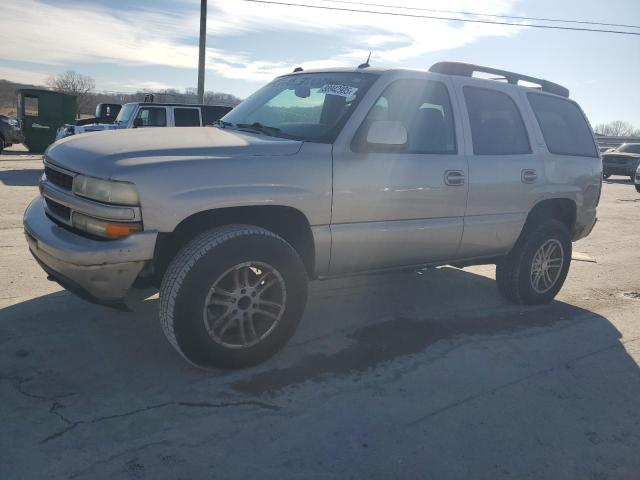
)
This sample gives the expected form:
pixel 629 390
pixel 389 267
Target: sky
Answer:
pixel 153 44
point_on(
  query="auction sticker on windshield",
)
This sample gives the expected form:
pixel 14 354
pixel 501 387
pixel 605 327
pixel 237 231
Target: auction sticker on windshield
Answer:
pixel 341 90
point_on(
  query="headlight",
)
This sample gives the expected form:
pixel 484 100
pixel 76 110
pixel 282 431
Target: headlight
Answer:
pixel 104 228
pixel 107 191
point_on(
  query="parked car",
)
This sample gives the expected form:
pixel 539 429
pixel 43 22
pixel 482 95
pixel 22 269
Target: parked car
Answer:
pixel 150 114
pixel 636 180
pixel 623 160
pixel 320 174
pixel 9 131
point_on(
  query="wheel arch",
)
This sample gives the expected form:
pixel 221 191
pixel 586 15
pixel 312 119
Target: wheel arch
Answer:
pixel 562 209
pixel 287 222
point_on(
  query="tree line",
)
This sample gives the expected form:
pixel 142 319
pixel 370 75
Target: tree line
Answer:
pixel 84 88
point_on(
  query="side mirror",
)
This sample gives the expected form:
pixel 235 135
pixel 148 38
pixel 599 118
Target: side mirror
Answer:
pixel 137 122
pixel 387 133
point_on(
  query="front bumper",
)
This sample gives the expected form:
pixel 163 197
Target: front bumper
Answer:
pixel 626 169
pixel 101 271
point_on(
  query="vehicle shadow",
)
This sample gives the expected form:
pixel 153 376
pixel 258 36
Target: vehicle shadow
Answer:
pixel 24 177
pixel 394 351
pixel 624 180
pixel 350 325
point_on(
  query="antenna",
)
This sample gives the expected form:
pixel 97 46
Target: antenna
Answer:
pixel 365 64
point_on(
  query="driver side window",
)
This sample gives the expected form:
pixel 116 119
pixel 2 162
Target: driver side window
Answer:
pixel 152 117
pixel 423 108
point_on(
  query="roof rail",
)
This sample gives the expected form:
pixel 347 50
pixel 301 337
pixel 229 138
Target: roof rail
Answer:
pixel 467 69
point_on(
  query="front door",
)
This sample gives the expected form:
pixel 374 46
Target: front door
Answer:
pixel 404 204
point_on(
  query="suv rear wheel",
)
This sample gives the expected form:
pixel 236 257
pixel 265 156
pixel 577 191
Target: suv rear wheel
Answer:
pixel 536 268
pixel 232 297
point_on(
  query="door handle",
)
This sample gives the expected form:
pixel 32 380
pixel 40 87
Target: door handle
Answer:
pixel 454 178
pixel 37 125
pixel 529 176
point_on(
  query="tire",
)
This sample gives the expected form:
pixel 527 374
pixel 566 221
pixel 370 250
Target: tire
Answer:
pixel 637 188
pixel 226 254
pixel 514 273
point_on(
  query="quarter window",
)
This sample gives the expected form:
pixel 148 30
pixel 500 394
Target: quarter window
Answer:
pixel 496 123
pixel 564 128
pixel 186 117
pixel 423 108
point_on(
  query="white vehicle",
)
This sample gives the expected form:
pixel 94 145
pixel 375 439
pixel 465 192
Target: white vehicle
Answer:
pixel 149 114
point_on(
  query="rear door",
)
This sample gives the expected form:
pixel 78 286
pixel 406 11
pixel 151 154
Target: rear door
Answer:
pixel 506 171
pixel 187 117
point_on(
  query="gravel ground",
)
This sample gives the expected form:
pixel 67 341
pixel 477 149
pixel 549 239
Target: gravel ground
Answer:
pixel 427 374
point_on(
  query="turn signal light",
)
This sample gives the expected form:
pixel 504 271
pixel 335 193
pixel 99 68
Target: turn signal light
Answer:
pixel 120 230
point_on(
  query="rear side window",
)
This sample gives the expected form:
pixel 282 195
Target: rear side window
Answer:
pixel 565 130
pixel 186 117
pixel 496 123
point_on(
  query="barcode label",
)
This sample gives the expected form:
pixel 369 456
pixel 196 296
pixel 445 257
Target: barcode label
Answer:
pixel 340 90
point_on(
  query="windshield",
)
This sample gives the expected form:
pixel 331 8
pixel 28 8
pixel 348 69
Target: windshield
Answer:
pixel 125 113
pixel 311 106
pixel 630 148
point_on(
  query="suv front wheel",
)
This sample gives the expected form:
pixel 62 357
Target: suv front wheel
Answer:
pixel 232 297
pixel 534 271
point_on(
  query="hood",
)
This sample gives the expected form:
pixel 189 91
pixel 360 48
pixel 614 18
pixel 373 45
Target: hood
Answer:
pixel 93 127
pixel 109 153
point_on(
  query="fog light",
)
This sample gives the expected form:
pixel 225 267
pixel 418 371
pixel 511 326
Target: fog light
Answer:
pixel 103 228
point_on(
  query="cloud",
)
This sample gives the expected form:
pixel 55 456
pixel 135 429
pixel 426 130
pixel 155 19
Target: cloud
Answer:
pixel 23 76
pixel 67 33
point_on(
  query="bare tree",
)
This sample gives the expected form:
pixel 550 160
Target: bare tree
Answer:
pixel 75 84
pixel 617 128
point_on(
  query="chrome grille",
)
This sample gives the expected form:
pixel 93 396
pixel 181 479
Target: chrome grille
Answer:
pixel 58 178
pixel 58 210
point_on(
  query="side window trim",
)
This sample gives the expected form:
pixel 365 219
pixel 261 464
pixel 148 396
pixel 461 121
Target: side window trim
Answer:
pixel 467 86
pixel 454 119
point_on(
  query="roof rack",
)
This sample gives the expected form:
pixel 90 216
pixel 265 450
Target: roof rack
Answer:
pixel 467 69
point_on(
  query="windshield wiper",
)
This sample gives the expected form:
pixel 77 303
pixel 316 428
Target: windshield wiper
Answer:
pixel 222 123
pixel 258 127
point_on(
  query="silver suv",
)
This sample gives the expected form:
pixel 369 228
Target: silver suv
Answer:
pixel 320 174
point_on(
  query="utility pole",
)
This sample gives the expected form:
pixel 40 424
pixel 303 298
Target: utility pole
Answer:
pixel 203 44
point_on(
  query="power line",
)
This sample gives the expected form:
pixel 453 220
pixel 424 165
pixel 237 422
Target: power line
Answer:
pixel 478 14
pixel 434 17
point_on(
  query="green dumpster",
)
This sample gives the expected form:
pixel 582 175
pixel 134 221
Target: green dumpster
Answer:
pixel 41 113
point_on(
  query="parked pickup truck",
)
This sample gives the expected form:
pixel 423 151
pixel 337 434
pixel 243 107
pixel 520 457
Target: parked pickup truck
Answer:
pixel 320 174
pixel 147 114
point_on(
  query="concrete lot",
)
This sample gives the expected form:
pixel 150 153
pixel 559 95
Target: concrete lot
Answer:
pixel 428 374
